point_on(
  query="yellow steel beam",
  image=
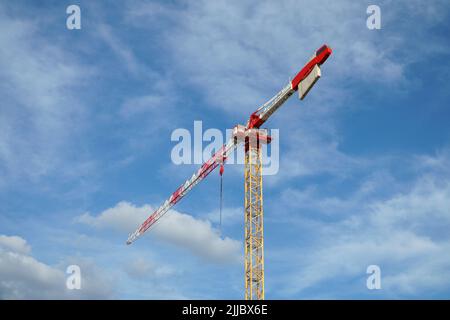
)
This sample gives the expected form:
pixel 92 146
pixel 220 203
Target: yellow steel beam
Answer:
pixel 254 231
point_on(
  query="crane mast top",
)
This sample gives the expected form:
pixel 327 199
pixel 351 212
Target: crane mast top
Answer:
pixel 304 78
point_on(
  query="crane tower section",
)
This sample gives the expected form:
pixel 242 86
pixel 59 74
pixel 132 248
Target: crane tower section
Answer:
pixel 253 139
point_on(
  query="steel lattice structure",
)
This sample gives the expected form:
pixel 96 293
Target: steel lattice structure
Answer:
pixel 254 225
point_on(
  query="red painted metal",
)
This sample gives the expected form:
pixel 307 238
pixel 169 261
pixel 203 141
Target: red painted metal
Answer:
pixel 321 56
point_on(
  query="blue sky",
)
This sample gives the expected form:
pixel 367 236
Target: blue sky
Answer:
pixel 86 118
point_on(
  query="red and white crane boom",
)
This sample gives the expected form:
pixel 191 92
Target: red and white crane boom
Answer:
pixel 305 79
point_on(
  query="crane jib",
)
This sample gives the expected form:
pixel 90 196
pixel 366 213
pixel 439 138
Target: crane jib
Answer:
pixel 218 158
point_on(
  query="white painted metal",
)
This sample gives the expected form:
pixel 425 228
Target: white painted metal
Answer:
pixel 305 85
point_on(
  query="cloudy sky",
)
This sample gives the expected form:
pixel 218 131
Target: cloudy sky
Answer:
pixel 86 118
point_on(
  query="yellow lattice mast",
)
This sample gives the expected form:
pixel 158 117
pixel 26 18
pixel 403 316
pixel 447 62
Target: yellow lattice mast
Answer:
pixel 254 215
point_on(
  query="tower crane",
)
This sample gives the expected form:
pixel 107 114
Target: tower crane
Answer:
pixel 252 137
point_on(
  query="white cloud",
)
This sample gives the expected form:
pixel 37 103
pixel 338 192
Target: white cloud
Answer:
pixel 141 269
pixel 406 234
pixel 139 105
pixel 124 53
pixel 198 236
pixel 248 53
pixel 439 162
pixel 183 230
pixel 24 277
pixel 348 256
pixel 238 53
pixel 313 203
pixel 230 216
pixel 38 79
pixel 311 152
pixel 157 104
pixel 15 244
pixel 122 217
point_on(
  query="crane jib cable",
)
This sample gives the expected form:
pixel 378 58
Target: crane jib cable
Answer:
pixel 221 199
